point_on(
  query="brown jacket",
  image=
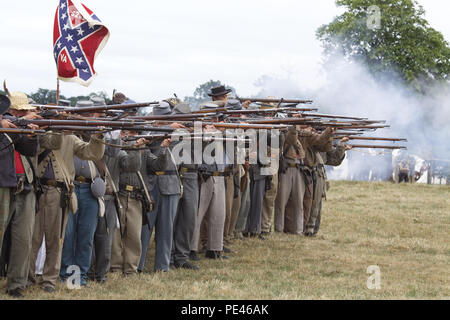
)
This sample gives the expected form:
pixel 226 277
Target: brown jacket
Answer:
pixel 313 142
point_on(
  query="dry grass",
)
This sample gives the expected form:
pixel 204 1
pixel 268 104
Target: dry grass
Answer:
pixel 404 229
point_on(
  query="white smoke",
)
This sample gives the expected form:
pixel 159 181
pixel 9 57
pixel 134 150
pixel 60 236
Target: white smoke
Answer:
pixel 350 89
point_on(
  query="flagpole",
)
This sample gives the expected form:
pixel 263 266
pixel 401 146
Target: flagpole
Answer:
pixel 57 92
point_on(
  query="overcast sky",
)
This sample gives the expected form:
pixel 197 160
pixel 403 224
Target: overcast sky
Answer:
pixel 157 48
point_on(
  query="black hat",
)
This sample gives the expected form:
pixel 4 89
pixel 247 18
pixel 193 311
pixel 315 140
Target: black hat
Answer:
pixel 4 103
pixel 219 91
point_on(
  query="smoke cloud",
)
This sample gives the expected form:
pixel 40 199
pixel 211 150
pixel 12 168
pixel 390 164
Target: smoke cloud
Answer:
pixel 350 89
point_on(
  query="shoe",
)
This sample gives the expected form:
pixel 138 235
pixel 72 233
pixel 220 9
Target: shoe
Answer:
pixel 215 255
pixel 227 250
pixel 261 237
pixel 245 234
pixel 48 289
pixel 203 250
pixel 187 265
pixel 16 293
pixel 265 234
pixel 193 256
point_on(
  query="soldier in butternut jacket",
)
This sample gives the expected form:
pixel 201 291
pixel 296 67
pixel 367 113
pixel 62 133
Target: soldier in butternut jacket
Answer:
pixel 56 173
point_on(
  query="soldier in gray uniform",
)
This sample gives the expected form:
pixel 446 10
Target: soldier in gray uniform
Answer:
pixel 186 218
pixel 167 188
pixel 133 190
pixel 257 189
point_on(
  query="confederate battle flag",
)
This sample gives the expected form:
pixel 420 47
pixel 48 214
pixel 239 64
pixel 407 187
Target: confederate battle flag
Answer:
pixel 78 38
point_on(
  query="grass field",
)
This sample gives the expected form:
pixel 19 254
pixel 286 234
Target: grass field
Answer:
pixel 403 229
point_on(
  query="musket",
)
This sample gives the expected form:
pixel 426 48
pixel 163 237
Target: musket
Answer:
pixel 186 116
pixel 243 125
pixel 348 133
pixel 272 110
pixel 124 125
pixel 372 139
pixel 79 128
pixel 95 108
pixel 21 131
pixel 279 101
pixel 360 146
pixel 331 116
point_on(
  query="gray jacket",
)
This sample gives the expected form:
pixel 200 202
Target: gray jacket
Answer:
pixel 149 162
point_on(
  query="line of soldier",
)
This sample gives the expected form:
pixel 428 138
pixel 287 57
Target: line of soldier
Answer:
pixel 95 206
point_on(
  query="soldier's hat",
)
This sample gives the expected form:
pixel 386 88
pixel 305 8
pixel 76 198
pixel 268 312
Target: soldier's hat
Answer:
pixel 218 91
pixel 64 103
pixel 163 108
pixel 84 103
pixel 19 101
pixel 182 108
pixel 233 104
pixel 98 101
pixel 4 104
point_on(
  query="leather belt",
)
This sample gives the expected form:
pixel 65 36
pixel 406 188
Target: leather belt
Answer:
pixel 214 174
pixel 186 170
pixel 128 188
pixel 51 183
pixel 81 179
pixel 166 173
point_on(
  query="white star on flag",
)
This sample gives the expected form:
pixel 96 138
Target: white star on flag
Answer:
pixel 69 38
pixel 85 70
pixel 80 32
pixel 59 45
pixel 79 60
pixel 66 26
pixel 74 49
pixel 63 5
pixel 63 16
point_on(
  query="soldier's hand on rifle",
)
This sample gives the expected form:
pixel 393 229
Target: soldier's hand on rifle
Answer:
pixel 32 116
pixel 166 142
pixel 140 142
pixel 297 115
pixel 32 127
pixel 345 139
pixel 246 104
pixel 210 128
pixel 8 124
pixel 177 125
pixel 348 147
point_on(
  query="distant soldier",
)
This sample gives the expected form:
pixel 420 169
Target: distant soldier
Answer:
pixel 403 171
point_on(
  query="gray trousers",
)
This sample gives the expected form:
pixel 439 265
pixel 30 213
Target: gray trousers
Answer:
pixel 185 221
pixel 162 218
pixel 21 221
pixel 212 207
pixel 289 202
pixel 257 189
pixel 244 209
pixel 103 238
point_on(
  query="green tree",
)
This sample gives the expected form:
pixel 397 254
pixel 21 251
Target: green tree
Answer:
pixel 201 92
pixel 45 96
pixel 401 42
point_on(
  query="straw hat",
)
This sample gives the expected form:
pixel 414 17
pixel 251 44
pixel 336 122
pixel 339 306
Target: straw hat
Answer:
pixel 19 101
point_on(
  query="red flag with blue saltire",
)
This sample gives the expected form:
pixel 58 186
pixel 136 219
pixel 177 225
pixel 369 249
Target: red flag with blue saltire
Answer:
pixel 78 38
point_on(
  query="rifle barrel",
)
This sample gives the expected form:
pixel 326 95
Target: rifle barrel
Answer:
pixel 293 101
pixel 361 146
pixel 96 108
pixel 21 131
pixel 372 139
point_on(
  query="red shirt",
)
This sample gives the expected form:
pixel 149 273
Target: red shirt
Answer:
pixel 19 164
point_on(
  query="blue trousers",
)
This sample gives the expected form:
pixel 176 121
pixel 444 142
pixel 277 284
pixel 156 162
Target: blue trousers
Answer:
pixel 80 230
pixel 162 219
